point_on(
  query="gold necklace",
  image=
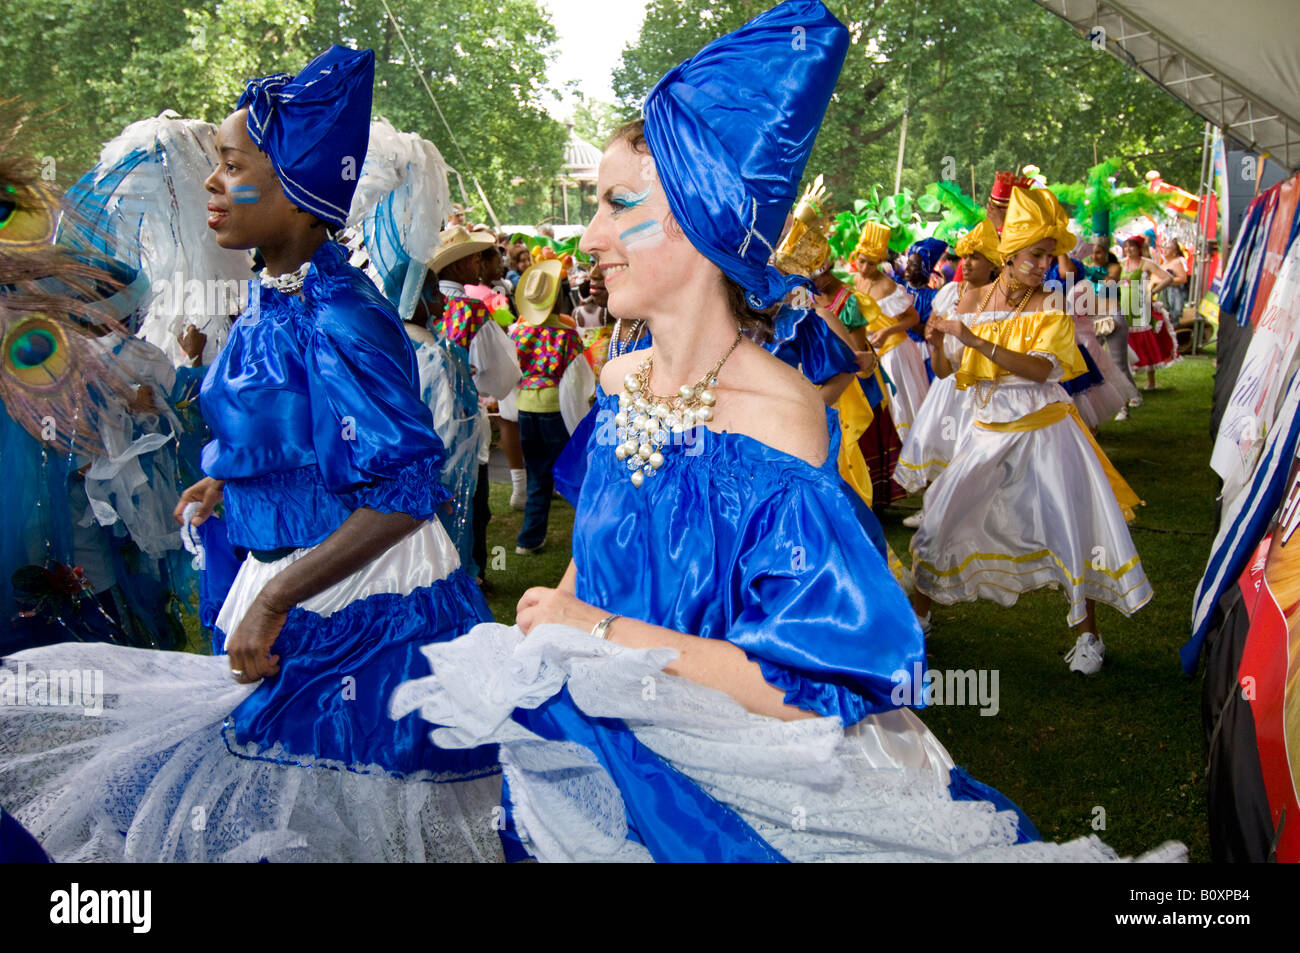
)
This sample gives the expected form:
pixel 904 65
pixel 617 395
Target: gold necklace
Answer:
pixel 981 399
pixel 645 419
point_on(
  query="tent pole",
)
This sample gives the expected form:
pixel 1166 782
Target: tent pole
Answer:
pixel 1203 192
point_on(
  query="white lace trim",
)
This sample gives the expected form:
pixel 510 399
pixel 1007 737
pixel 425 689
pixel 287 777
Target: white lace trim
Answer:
pixel 150 778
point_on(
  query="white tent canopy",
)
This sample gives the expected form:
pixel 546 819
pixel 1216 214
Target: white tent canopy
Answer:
pixel 1236 64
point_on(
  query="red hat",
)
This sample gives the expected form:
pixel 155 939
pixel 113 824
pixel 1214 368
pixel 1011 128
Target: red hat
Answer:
pixel 1003 183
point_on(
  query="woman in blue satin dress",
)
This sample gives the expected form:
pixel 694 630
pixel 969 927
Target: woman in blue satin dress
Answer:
pixel 326 462
pixel 719 673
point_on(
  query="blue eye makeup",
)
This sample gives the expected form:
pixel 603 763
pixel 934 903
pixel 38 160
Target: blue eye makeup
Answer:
pixel 622 201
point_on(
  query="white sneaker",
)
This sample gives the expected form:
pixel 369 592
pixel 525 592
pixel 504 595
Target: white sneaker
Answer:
pixel 1123 414
pixel 926 623
pixel 1087 655
pixel 915 519
pixel 1135 401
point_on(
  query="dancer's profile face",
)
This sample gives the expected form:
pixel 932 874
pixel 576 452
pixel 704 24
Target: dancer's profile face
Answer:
pixel 976 269
pixel 246 206
pixel 642 252
pixel 1029 265
pixel 915 271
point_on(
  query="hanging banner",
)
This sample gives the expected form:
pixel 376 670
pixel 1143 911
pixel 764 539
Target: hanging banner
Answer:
pixel 1275 249
pixel 1268 680
pixel 1268 365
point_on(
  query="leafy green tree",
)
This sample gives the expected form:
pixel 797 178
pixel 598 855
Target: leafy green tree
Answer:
pixel 595 120
pixel 107 63
pixel 985 85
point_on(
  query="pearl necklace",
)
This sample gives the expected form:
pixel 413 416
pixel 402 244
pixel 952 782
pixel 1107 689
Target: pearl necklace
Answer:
pixel 290 283
pixel 645 419
pixel 617 346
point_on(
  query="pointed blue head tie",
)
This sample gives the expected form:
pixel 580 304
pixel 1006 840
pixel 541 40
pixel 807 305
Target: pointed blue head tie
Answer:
pixel 731 129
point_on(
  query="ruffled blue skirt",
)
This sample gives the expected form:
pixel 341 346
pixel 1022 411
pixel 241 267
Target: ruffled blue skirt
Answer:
pixel 337 674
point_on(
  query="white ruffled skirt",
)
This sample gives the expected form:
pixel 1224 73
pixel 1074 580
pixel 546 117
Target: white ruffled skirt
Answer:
pixel 143 762
pixel 815 792
pixel 930 444
pixel 905 365
pixel 1015 512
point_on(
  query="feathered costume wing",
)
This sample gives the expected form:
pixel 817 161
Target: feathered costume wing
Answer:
pixel 401 201
pixel 143 204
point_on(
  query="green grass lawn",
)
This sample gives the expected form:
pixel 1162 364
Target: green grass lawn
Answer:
pixel 509 575
pixel 1128 740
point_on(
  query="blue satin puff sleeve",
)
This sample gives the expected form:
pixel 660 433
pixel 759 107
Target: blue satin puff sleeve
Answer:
pixel 373 436
pixel 821 613
pixel 804 341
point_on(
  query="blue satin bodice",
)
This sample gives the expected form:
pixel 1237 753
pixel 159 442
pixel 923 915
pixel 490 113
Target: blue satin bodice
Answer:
pixel 733 539
pixel 923 299
pixel 314 406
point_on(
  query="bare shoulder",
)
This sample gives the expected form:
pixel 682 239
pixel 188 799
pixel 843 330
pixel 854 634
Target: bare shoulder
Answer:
pixel 776 405
pixel 617 368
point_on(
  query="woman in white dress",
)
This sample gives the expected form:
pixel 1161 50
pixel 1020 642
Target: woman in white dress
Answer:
pixel 900 357
pixel 945 415
pixel 1029 500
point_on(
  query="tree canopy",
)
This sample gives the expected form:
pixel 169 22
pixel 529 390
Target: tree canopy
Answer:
pixel 987 84
pixel 93 66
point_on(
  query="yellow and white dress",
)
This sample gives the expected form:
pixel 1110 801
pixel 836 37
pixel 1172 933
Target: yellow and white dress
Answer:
pixel 902 359
pixel 1029 499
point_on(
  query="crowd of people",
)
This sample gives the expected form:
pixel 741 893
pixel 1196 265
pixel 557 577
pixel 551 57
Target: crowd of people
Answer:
pixel 728 409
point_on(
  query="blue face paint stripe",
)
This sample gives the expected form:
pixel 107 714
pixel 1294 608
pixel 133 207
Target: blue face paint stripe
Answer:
pixel 636 230
pixel 246 194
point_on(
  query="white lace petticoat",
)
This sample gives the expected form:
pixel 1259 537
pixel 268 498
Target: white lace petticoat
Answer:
pixel 815 792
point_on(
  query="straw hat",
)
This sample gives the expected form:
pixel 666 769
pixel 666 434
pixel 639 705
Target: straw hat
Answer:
pixel 459 242
pixel 535 294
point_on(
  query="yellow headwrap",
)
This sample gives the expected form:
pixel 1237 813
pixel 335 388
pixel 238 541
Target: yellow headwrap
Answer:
pixel 983 238
pixel 874 242
pixel 1035 214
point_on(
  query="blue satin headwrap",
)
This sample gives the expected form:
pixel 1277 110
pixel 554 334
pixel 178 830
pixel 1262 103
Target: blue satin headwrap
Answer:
pixel 731 129
pixel 929 250
pixel 316 127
